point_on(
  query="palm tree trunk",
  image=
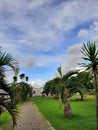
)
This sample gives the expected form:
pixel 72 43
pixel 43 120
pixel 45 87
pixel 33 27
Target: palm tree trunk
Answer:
pixel 81 94
pixel 67 109
pixel 96 88
pixel 97 110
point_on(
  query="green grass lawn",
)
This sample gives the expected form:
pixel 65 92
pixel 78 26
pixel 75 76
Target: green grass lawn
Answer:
pixel 4 120
pixel 83 113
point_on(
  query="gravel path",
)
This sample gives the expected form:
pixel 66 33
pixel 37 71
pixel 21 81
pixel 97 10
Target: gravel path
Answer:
pixel 31 119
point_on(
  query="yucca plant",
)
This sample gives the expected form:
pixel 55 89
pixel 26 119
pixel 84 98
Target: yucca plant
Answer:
pixel 90 53
pixel 6 60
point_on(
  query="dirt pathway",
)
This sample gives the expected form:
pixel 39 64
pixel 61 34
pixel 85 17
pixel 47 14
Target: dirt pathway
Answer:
pixel 31 119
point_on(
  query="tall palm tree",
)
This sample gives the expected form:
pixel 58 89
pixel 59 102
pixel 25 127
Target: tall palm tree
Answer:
pixel 90 53
pixel 7 60
pixel 67 107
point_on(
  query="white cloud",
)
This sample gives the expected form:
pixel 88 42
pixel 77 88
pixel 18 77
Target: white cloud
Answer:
pixel 72 13
pixel 37 83
pixel 95 26
pixel 83 33
pixel 90 33
pixel 32 82
pixel 43 40
pixel 49 60
pixel 37 4
pixel 74 57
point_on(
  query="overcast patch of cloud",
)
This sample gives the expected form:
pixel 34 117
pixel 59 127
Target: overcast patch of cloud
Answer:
pixel 69 15
pixel 40 23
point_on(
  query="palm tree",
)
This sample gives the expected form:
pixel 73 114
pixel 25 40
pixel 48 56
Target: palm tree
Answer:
pixel 10 106
pixel 27 78
pixel 15 79
pixel 90 53
pixel 7 60
pixel 67 107
pixel 22 77
pixel 79 83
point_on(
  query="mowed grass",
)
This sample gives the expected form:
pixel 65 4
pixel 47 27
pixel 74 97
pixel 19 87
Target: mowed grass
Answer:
pixel 83 113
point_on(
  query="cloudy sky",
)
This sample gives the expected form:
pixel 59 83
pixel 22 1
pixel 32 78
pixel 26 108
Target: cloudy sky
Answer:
pixel 44 34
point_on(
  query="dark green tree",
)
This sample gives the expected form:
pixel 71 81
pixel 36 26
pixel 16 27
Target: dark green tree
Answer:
pixel 80 83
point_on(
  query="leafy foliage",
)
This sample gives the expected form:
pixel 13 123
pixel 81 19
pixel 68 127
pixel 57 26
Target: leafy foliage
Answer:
pixel 52 86
pixel 7 60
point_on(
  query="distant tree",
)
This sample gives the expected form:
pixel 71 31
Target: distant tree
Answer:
pixel 80 83
pixel 47 87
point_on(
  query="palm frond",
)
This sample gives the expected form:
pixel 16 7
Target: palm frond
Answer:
pixel 59 71
pixel 90 53
pixel 12 111
pixel 7 60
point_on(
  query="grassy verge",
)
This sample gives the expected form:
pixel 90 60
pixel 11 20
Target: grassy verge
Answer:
pixel 83 118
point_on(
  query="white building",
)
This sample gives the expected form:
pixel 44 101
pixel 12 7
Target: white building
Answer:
pixel 37 91
pixel 4 94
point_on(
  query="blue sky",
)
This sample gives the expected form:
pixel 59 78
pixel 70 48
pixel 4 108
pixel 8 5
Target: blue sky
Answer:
pixel 44 34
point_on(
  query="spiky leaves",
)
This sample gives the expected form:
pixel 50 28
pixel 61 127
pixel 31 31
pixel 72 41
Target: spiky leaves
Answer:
pixel 90 53
pixel 11 109
pixel 7 60
pixel 64 81
pixel 9 105
pixel 60 71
